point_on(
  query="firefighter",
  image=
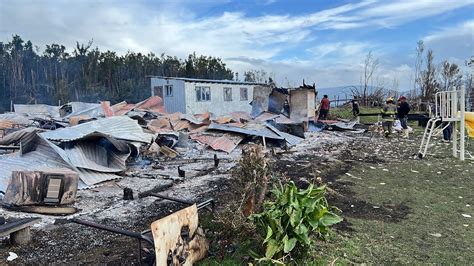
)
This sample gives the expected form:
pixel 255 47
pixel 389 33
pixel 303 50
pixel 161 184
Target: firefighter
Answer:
pixel 388 112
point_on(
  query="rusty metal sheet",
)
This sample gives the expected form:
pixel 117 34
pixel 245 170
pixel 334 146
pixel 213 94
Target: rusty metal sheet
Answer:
pixel 160 125
pixel 122 108
pixel 239 116
pixel 197 119
pixel 4 124
pixel 153 104
pixel 181 125
pixel 223 119
pixel 249 129
pixel 226 142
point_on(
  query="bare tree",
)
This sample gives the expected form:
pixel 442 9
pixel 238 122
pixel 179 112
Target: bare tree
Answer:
pixel 370 65
pixel 394 89
pixel 430 85
pixel 417 82
pixel 470 83
pixel 450 75
pixel 255 75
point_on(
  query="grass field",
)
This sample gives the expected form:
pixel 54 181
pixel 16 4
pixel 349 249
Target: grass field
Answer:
pixel 435 192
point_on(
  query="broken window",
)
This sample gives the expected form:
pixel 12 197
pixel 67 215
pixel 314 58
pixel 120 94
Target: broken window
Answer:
pixel 244 94
pixel 158 90
pixel 169 90
pixel 227 94
pixel 203 94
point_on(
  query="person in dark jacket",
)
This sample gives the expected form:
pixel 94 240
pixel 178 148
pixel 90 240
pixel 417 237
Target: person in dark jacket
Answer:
pixel 355 106
pixel 402 110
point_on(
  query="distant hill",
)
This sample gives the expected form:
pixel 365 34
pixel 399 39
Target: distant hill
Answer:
pixel 344 91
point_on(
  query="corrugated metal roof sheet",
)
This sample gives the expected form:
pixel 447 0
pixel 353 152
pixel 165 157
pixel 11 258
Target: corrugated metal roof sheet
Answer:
pixel 261 132
pixel 87 109
pixel 42 158
pixel 120 127
pixel 16 118
pixel 94 159
pixel 4 124
pixel 290 139
pixel 227 142
pixel 211 81
pixel 37 110
pixel 265 116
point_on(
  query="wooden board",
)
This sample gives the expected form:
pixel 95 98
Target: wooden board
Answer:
pixel 178 237
pixel 16 225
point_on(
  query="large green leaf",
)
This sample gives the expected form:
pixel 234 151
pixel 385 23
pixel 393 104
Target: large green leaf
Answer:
pixel 273 247
pixel 295 217
pixel 289 244
pixel 269 234
pixel 329 219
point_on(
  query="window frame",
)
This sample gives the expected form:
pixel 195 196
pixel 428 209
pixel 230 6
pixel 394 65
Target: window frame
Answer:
pixel 166 90
pixel 202 91
pixel 242 89
pixel 225 89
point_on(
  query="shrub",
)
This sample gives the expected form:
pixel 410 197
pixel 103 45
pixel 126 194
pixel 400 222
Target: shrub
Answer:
pixel 292 217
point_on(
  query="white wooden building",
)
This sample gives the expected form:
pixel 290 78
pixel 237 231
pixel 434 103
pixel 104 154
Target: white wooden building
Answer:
pixel 195 96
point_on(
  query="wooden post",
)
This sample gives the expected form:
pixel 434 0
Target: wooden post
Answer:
pixel 21 237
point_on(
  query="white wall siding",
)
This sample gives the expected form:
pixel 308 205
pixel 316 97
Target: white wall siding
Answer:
pixel 217 105
pixel 176 102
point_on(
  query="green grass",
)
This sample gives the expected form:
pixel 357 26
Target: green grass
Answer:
pixel 345 112
pixel 436 190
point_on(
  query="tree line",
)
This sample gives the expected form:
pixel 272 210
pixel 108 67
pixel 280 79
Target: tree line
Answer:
pixel 86 74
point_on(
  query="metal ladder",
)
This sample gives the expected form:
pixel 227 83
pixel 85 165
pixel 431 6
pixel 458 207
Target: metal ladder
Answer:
pixel 429 130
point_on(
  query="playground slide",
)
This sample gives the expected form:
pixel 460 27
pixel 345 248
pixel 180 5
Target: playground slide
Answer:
pixel 469 118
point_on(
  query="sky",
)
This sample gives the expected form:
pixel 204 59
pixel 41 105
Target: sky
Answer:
pixel 321 41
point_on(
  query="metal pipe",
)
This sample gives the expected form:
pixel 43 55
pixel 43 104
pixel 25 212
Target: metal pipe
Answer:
pixel 172 198
pixel 187 202
pixel 110 229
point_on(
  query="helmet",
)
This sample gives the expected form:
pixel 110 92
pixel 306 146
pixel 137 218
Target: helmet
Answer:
pixel 402 98
pixel 390 99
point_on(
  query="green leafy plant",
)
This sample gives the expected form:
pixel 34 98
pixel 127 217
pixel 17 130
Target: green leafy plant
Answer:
pixel 292 217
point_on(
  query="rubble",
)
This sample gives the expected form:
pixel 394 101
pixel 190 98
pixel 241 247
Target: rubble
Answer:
pixel 118 156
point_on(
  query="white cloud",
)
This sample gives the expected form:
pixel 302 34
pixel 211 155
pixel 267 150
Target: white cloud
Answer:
pixel 245 41
pixel 454 44
pixel 348 54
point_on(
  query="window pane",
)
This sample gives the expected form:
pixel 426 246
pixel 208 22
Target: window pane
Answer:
pixel 203 94
pixel 243 94
pixel 169 90
pixel 208 94
pixel 227 94
pixel 198 94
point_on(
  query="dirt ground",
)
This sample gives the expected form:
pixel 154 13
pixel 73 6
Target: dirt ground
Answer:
pixel 381 191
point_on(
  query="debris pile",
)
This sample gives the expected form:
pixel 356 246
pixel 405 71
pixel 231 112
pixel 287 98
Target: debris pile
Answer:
pixel 48 154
